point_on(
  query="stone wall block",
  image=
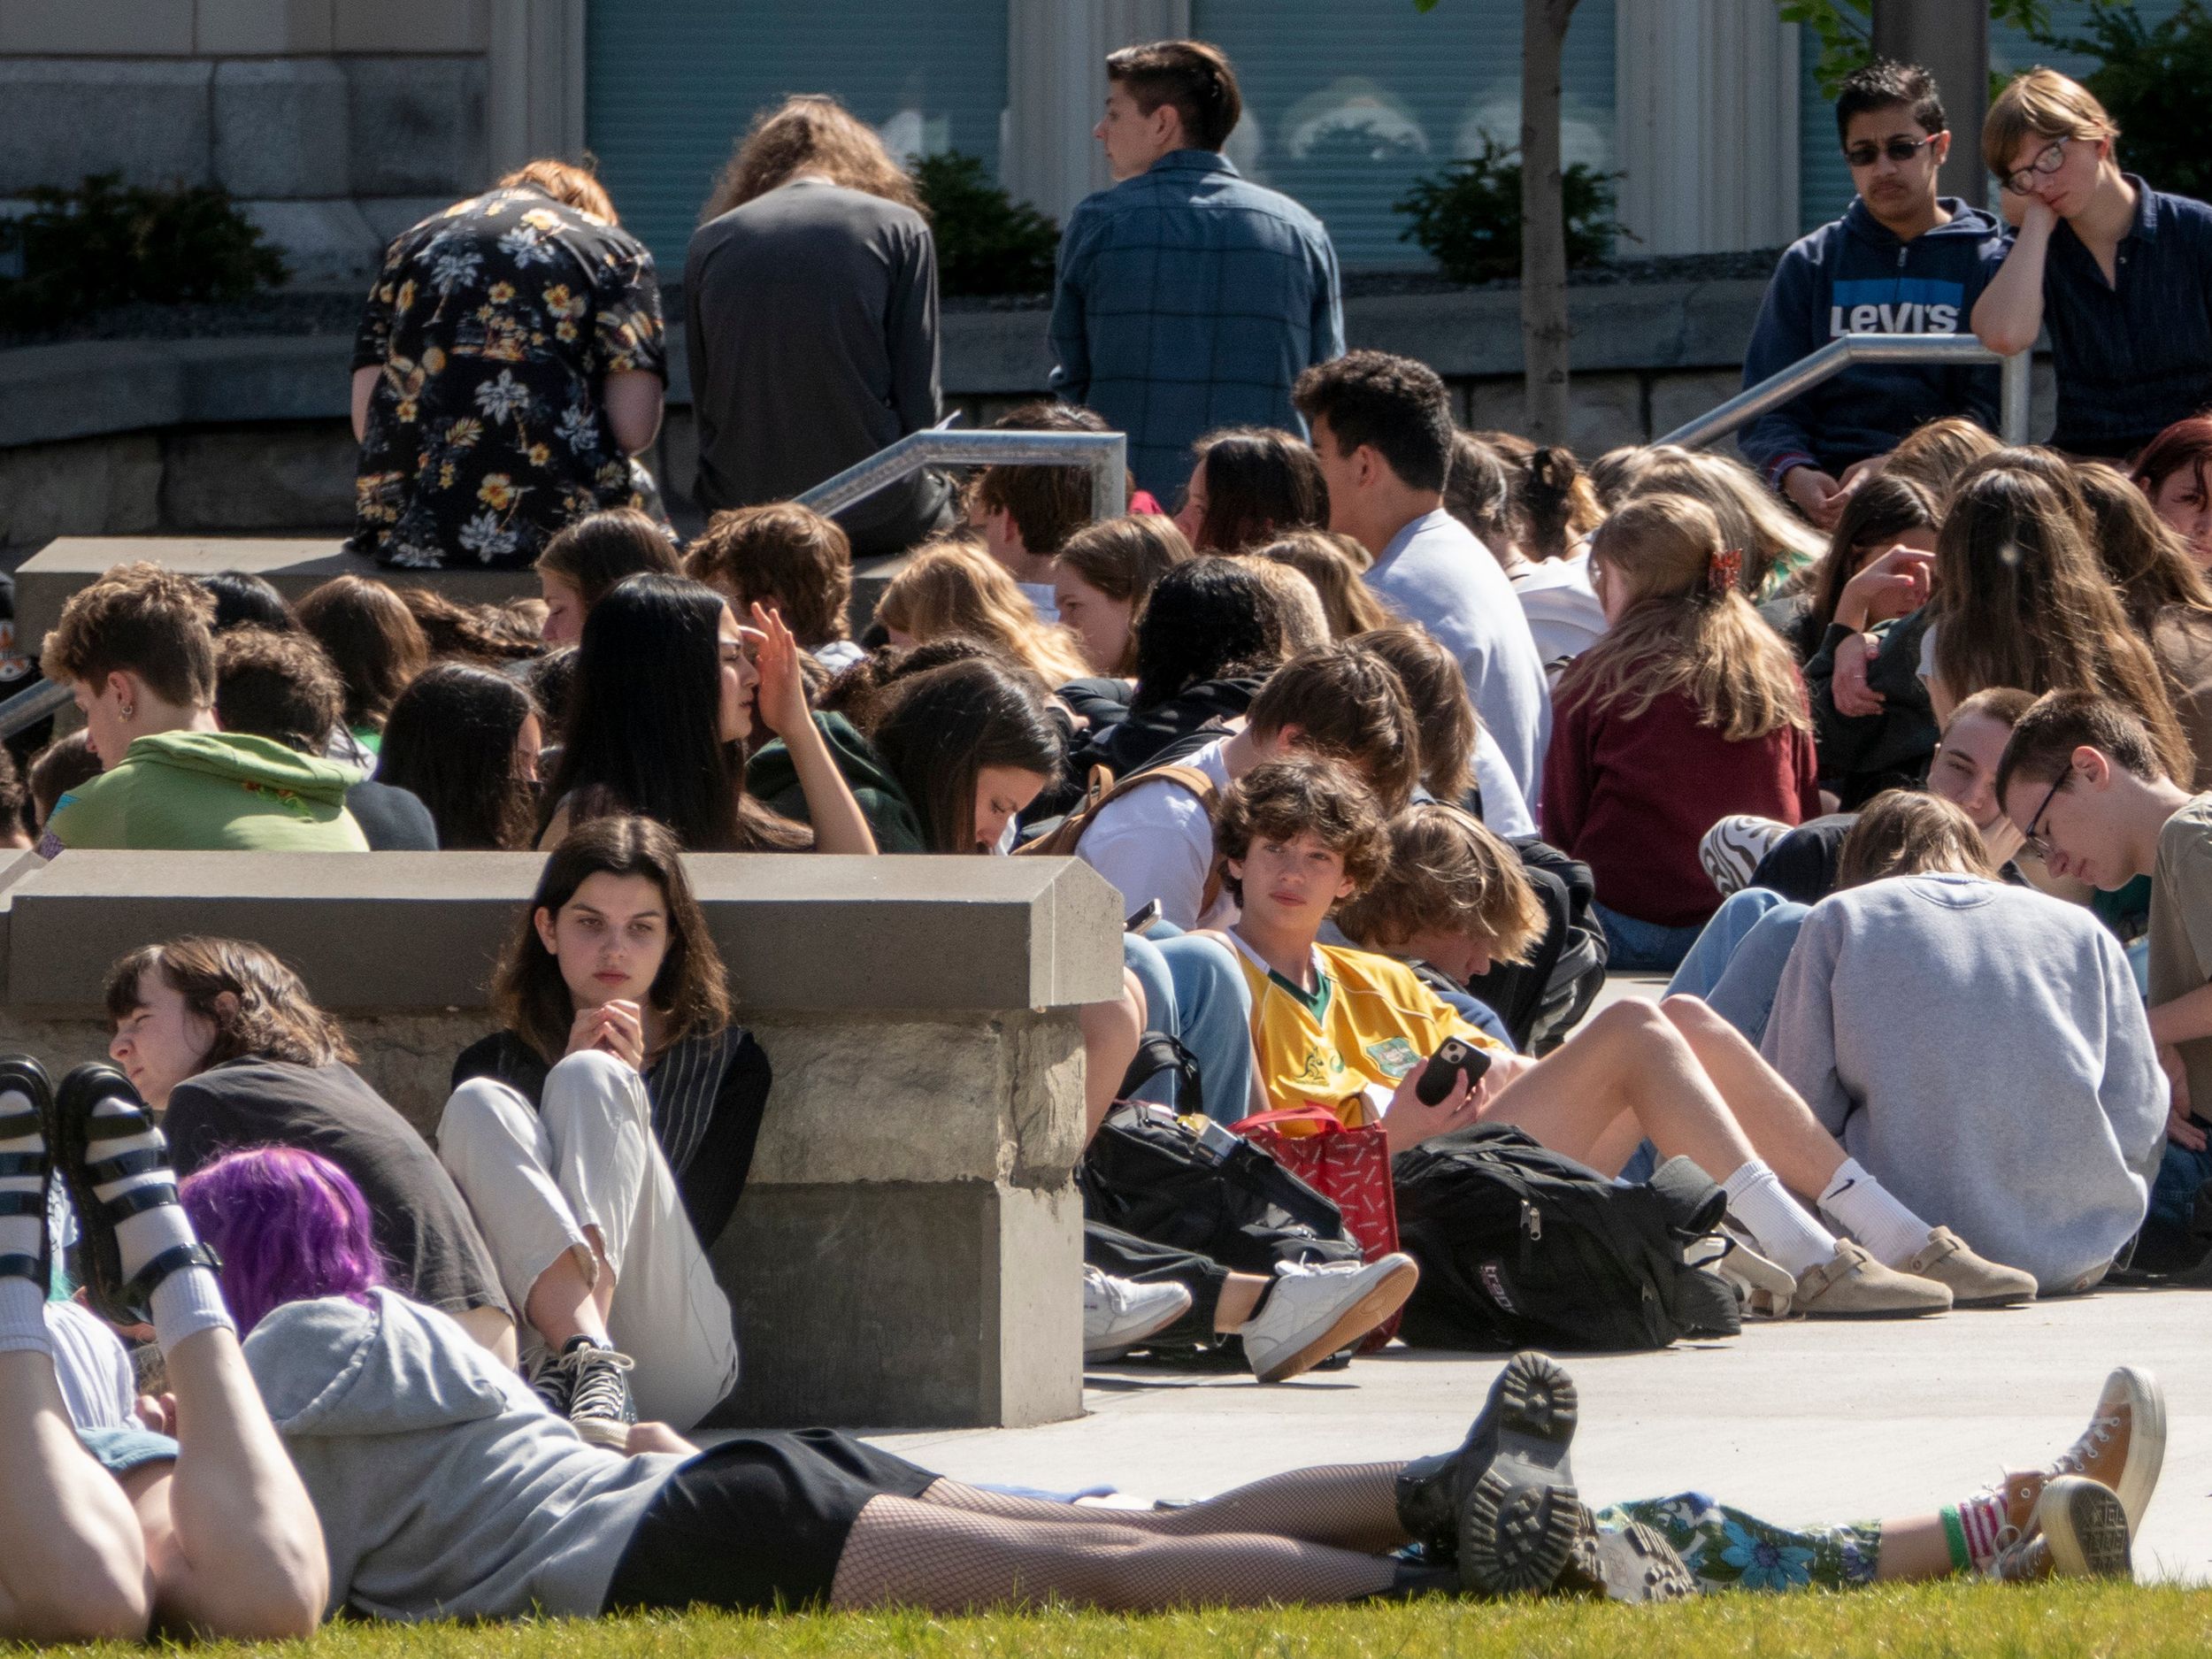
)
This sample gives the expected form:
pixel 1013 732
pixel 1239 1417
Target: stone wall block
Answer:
pixel 296 476
pixel 1679 398
pixel 128 29
pixel 245 28
pixel 325 244
pixel 412 26
pixel 63 118
pixel 85 486
pixel 418 125
pixel 280 127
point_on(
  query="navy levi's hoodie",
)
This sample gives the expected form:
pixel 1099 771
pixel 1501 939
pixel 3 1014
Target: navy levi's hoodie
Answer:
pixel 1855 277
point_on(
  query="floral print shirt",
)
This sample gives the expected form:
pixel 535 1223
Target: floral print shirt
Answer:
pixel 495 324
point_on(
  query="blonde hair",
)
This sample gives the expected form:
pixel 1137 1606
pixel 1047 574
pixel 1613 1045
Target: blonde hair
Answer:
pixel 1334 564
pixel 1750 515
pixel 1904 833
pixel 954 587
pixel 2041 103
pixel 1297 617
pixel 1936 454
pixel 1445 870
pixel 565 183
pixel 811 133
pixel 1681 634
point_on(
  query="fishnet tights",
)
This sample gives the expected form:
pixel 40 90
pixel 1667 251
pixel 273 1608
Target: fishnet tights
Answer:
pixel 1308 1536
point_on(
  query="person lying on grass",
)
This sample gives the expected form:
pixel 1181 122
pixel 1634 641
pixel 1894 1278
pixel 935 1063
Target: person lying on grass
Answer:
pixel 1351 1030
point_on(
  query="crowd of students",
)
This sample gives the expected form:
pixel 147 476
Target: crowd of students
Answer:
pixel 1389 740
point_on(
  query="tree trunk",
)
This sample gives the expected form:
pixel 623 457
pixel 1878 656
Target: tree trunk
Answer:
pixel 1544 332
pixel 1951 37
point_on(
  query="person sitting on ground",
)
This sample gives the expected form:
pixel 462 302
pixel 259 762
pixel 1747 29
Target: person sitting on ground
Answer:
pixel 1382 431
pixel 667 690
pixel 443 1511
pixel 1900 995
pixel 466 741
pixel 1936 454
pixel 2115 269
pixel 243 600
pixel 136 650
pixel 789 559
pixel 1460 762
pixel 1902 259
pixel 2170 472
pixel 1778 548
pixel 281 687
pixel 584 558
pixel 1509 492
pixel 1250 485
pixel 1103 577
pixel 510 365
pixel 1025 512
pixel 1554 503
pixel 1688 709
pixel 2167 599
pixel 603 1135
pixel 489 634
pixel 1350 1031
pixel 376 645
pixel 63 765
pixel 19 830
pixel 2086 782
pixel 1334 564
pixel 1157 843
pixel 954 587
pixel 114 1532
pixel 221 1040
pixel 1296 618
pixel 1204 646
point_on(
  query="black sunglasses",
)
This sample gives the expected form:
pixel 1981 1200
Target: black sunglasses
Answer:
pixel 1900 150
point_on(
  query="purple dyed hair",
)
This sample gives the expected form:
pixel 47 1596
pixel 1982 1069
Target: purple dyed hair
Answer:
pixel 290 1225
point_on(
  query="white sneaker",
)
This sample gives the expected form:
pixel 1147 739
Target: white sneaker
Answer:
pixel 1119 1313
pixel 1312 1312
pixel 1732 850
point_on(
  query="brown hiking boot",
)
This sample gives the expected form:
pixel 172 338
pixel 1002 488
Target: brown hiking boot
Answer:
pixel 1972 1281
pixel 2080 1531
pixel 2121 1448
pixel 1852 1284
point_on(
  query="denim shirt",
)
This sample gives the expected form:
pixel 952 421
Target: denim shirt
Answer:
pixel 1189 298
pixel 2134 355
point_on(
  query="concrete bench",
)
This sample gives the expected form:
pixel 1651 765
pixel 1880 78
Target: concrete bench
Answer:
pixel 45 581
pixel 907 1251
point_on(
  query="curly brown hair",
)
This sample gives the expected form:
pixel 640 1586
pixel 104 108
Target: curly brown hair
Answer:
pixel 1284 799
pixel 139 620
pixel 269 1015
pixel 790 557
pixel 1447 870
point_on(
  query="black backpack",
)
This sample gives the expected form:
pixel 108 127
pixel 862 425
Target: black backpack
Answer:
pixel 1521 1246
pixel 1541 1000
pixel 1147 1174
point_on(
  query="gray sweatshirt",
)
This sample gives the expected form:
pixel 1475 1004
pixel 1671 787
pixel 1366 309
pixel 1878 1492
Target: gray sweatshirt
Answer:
pixel 1983 1051
pixel 444 1488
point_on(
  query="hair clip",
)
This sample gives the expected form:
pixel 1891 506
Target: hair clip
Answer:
pixel 1723 570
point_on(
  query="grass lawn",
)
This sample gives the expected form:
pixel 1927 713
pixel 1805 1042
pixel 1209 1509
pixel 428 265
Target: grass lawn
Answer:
pixel 1940 1619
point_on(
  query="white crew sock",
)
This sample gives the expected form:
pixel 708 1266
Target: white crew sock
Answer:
pixel 1777 1223
pixel 189 1299
pixel 186 1302
pixel 1855 1199
pixel 22 1300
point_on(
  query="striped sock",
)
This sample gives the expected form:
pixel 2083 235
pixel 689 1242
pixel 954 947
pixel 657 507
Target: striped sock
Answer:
pixel 1975 1531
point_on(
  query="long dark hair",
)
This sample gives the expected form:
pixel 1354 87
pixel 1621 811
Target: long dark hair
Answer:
pixel 1259 483
pixel 372 638
pixel 644 727
pixel 691 991
pixel 1879 511
pixel 451 739
pixel 1206 619
pixel 943 726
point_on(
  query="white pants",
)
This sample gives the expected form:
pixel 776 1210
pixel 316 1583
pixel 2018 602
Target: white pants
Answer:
pixel 587 1158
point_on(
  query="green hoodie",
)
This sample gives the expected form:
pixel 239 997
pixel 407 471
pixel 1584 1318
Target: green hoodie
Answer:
pixel 210 792
pixel 774 780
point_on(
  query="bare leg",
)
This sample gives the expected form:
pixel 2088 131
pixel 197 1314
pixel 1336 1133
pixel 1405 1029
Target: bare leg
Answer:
pixel 904 1554
pixel 494 1331
pixel 242 1555
pixel 1914 1548
pixel 72 1565
pixel 1238 1300
pixel 1772 1114
pixel 1351 1506
pixel 567 1303
pixel 1111 1032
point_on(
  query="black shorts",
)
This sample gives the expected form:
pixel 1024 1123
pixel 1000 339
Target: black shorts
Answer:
pixel 757 1523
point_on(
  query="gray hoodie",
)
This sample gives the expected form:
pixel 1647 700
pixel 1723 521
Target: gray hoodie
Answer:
pixel 444 1488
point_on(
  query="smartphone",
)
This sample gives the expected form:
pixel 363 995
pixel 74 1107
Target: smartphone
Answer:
pixel 1143 918
pixel 1446 1063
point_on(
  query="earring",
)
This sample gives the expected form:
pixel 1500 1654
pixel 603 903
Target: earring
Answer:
pixel 128 710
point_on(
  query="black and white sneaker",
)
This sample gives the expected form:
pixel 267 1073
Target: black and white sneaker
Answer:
pixel 600 1409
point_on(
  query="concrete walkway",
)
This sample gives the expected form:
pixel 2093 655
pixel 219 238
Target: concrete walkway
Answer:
pixel 1799 1421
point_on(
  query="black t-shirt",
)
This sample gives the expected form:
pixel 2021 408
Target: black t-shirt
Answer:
pixel 707 1095
pixel 422 1224
pixel 392 819
pixel 1802 866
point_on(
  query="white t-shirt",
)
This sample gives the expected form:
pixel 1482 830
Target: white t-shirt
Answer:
pixel 1158 844
pixel 91 1369
pixel 1043 600
pixel 1436 574
pixel 1564 614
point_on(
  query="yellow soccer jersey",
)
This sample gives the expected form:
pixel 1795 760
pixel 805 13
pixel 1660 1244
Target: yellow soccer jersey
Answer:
pixel 1369 1022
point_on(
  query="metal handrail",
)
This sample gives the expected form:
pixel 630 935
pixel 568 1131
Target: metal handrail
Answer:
pixel 1106 454
pixel 27 708
pixel 1845 350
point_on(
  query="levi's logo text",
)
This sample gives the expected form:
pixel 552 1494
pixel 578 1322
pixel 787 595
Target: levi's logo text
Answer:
pixel 1896 305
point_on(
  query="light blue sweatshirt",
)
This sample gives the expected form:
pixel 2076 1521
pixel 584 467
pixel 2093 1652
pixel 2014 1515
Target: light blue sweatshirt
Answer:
pixel 1982 1051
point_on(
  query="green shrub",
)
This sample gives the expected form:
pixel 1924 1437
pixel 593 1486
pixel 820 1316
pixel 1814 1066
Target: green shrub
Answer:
pixel 1468 217
pixel 105 243
pixel 987 241
pixel 2153 78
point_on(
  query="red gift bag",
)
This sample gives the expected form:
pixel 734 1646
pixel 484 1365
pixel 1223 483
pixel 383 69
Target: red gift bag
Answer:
pixel 1349 1167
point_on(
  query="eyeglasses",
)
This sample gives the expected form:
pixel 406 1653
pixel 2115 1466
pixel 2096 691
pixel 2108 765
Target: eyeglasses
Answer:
pixel 2050 161
pixel 1898 150
pixel 2034 836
